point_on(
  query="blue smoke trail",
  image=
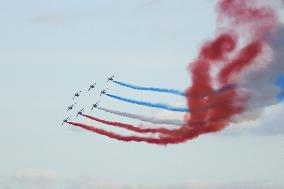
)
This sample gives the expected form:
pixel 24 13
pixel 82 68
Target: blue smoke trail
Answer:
pixel 280 83
pixel 171 91
pixel 149 104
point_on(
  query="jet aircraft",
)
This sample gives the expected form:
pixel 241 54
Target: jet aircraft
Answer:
pixel 71 107
pixel 92 86
pixel 110 78
pixel 65 120
pixel 80 112
pixel 77 94
pixel 95 105
pixel 103 92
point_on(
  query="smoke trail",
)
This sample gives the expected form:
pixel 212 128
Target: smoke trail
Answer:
pixel 174 138
pixel 144 118
pixel 164 140
pixel 242 50
pixel 280 84
pixel 131 127
pixel 244 58
pixel 161 121
pixel 149 104
pixel 236 19
pixel 171 91
pixel 263 84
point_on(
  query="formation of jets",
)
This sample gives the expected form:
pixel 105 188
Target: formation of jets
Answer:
pixel 77 95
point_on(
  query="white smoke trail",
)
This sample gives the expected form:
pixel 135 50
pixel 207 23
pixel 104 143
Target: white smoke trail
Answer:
pixel 144 118
pixel 259 80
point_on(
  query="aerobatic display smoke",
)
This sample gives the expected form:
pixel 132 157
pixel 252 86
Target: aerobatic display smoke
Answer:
pixel 153 120
pixel 171 91
pixel 280 83
pixel 129 127
pixel 124 138
pixel 149 104
pixel 247 51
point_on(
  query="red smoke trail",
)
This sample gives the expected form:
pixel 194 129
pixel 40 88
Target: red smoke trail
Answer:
pixel 242 26
pixel 131 127
pixel 161 140
pixel 245 58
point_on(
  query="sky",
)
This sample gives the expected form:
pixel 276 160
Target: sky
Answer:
pixel 51 49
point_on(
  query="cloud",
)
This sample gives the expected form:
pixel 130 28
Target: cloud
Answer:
pixel 32 179
pixel 50 18
pixel 47 180
pixel 270 122
pixel 212 185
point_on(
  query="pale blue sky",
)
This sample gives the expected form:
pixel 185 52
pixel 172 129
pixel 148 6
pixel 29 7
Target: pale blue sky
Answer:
pixel 51 49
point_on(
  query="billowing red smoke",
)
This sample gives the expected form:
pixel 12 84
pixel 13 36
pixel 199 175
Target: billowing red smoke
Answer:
pixel 241 29
pixel 237 19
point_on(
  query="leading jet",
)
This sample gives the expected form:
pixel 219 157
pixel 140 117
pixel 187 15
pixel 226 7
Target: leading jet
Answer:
pixel 110 78
pixel 77 94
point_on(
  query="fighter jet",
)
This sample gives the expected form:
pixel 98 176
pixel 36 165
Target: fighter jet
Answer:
pixel 77 94
pixel 65 120
pixel 103 92
pixel 95 105
pixel 92 86
pixel 80 112
pixel 71 107
pixel 110 78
